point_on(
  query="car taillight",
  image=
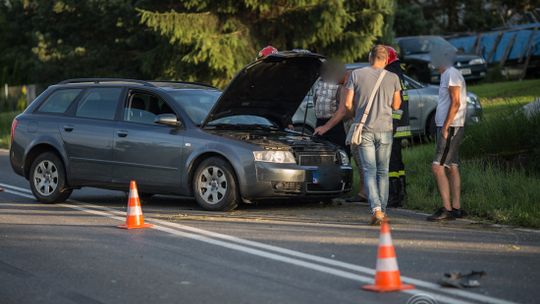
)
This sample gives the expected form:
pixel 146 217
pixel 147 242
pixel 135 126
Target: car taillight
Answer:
pixel 13 127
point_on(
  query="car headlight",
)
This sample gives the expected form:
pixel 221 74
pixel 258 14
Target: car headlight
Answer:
pixel 431 66
pixel 280 157
pixel 472 100
pixel 477 61
pixel 344 158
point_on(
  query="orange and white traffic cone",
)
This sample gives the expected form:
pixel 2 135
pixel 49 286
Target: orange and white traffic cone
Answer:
pixel 134 215
pixel 387 277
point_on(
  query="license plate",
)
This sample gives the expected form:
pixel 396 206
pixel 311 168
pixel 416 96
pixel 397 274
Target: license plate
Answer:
pixel 465 71
pixel 315 177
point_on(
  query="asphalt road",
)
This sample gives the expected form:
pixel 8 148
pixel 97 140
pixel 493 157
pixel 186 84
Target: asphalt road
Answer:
pixel 276 252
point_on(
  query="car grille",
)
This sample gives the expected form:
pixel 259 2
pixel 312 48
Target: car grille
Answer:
pixel 316 159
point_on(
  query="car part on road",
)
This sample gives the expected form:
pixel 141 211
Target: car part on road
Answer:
pixel 48 179
pixel 214 185
pixel 458 280
pixel 134 215
pixel 387 276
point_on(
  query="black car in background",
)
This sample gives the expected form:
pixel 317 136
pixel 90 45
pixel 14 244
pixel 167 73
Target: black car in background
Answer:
pixel 414 53
pixel 180 138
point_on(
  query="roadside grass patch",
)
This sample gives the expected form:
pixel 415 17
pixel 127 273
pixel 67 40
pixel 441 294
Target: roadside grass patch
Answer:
pixel 502 196
pixel 5 128
pixel 500 170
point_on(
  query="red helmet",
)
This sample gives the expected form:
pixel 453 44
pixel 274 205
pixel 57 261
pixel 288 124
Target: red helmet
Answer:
pixel 392 54
pixel 267 50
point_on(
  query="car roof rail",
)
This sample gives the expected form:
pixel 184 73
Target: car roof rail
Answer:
pixel 184 82
pixel 101 80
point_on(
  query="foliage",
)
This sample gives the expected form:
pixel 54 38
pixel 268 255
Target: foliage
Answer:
pixel 211 40
pixel 414 17
pixel 5 128
pixel 47 41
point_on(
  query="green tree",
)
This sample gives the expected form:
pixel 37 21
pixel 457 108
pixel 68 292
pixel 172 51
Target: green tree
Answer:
pixel 210 40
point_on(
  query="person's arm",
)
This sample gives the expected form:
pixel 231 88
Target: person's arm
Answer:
pixel 455 98
pixel 396 103
pixel 343 108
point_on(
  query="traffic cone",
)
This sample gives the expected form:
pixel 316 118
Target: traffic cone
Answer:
pixel 387 277
pixel 134 215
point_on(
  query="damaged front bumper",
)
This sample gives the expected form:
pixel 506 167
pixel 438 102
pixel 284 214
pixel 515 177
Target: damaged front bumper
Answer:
pixel 282 180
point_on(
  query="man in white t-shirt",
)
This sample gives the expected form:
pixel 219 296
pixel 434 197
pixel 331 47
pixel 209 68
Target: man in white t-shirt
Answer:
pixel 450 120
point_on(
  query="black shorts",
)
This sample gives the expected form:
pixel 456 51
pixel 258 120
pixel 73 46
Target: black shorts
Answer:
pixel 447 153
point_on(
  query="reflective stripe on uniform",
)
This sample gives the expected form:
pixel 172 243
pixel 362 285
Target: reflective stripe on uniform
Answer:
pixel 396 174
pixel 403 131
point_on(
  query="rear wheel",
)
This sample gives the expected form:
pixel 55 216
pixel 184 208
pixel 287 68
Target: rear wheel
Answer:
pixel 214 185
pixel 48 179
pixel 431 127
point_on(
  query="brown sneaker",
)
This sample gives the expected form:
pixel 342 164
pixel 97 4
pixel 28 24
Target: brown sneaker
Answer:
pixel 377 218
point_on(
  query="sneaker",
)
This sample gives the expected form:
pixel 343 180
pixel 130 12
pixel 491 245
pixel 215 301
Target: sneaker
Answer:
pixel 458 213
pixel 377 218
pixel 441 215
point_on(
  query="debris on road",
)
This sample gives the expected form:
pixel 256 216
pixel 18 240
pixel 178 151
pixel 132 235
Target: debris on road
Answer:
pixel 458 280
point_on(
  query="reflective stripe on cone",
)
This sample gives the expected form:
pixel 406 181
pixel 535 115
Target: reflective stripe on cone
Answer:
pixel 134 215
pixel 387 276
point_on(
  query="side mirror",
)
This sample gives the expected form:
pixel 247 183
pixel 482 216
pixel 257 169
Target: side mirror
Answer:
pixel 168 120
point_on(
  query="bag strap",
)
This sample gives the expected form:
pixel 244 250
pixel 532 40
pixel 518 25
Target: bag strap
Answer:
pixel 372 97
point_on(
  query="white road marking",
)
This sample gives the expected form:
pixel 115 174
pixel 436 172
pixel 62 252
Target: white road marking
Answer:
pixel 214 239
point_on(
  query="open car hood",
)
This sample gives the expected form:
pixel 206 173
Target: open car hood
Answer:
pixel 272 87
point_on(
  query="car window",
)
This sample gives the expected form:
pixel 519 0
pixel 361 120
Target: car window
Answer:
pixel 196 103
pixel 144 108
pixel 59 101
pixel 421 45
pixel 99 103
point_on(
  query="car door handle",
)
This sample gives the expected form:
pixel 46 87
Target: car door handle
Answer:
pixel 122 133
pixel 68 128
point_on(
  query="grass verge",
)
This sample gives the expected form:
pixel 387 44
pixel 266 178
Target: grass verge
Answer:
pixel 505 195
pixel 501 196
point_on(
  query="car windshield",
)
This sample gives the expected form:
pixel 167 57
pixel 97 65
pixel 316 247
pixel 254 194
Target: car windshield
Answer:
pixel 243 122
pixel 421 45
pixel 196 103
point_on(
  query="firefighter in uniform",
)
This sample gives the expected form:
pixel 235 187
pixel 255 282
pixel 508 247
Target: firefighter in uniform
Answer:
pixel 402 130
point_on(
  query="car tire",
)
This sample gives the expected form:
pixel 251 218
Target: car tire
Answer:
pixel 48 179
pixel 431 127
pixel 214 185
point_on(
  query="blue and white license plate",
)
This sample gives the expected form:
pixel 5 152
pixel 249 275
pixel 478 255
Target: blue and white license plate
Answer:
pixel 315 177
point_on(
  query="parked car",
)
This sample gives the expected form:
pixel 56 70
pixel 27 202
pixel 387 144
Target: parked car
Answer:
pixel 180 138
pixel 415 55
pixel 422 105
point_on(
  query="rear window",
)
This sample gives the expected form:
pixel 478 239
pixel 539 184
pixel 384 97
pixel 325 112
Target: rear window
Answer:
pixel 99 103
pixel 59 101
